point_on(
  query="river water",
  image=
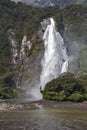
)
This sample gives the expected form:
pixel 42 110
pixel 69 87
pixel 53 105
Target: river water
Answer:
pixel 44 118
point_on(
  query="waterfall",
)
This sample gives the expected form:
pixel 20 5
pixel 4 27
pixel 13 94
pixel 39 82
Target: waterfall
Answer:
pixel 55 59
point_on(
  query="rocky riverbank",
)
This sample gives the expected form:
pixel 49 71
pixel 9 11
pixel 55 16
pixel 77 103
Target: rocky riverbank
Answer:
pixel 6 105
pixel 13 106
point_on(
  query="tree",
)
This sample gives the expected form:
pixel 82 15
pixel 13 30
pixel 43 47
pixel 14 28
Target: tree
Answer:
pixel 65 87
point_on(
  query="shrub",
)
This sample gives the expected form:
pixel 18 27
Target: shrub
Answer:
pixel 50 95
pixel 85 89
pixel 8 93
pixel 76 96
pixel 85 96
pixel 62 96
pixel 65 87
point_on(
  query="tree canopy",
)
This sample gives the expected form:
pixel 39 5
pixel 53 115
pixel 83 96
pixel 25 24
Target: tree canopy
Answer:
pixel 66 87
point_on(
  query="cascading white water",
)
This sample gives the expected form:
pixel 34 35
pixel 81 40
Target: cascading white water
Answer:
pixel 55 60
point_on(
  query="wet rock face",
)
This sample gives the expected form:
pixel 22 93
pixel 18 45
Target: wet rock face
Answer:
pixel 30 81
pixel 44 24
pixel 74 58
pixel 26 60
pixel 73 52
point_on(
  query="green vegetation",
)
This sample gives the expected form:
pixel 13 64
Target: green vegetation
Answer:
pixel 25 20
pixel 76 97
pixel 7 87
pixel 9 93
pixel 66 87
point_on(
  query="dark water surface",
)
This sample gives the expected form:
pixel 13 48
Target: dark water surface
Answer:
pixel 45 118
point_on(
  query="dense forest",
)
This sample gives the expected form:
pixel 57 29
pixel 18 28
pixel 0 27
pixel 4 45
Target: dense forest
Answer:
pixel 25 20
pixel 66 87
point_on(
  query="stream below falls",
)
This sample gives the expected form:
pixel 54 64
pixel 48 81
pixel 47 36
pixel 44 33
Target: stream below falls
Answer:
pixel 44 118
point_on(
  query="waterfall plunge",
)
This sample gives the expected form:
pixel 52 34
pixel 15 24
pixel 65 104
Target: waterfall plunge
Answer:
pixel 55 60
